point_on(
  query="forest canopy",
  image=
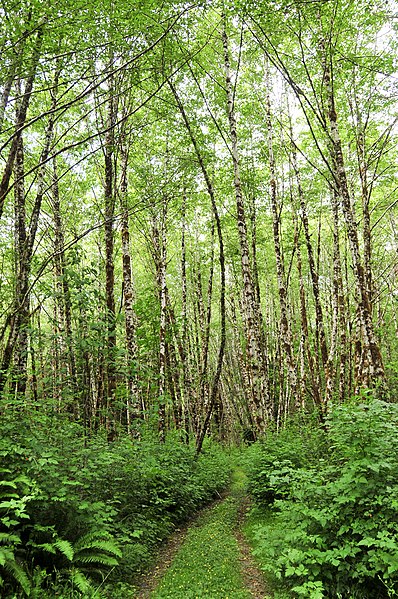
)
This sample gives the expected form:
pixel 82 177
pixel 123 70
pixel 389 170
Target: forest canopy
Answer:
pixel 198 212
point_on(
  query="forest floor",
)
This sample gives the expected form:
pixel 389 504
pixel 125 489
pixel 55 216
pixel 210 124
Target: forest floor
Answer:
pixel 210 556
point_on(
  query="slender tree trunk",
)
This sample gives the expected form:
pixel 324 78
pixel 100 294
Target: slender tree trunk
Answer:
pixel 28 236
pixel 22 275
pixel 64 295
pixel 5 95
pixel 285 315
pixel 161 238
pixel 319 319
pixel 371 347
pixel 256 280
pixel 109 198
pixel 305 335
pixel 20 122
pixel 259 387
pixel 206 317
pixel 211 193
pixel 243 372
pixel 186 379
pixel 133 407
pixel 340 306
pixel 365 196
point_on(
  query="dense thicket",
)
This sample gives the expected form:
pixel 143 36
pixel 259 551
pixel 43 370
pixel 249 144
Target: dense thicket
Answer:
pixel 81 518
pixel 333 496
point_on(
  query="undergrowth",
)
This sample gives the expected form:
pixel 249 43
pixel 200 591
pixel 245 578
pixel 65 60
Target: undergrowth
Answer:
pixel 329 521
pixel 80 517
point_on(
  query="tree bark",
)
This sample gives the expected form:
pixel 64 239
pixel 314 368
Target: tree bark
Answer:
pixel 26 235
pixel 22 275
pixel 160 240
pixel 340 305
pixel 319 318
pixel 259 381
pixel 285 315
pixel 64 295
pixel 372 355
pixel 109 199
pixel 211 193
pixel 133 404
pixel 20 122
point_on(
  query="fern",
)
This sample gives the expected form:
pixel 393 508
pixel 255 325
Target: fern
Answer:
pixel 8 538
pixel 17 572
pixel 79 580
pixel 97 558
pixel 13 500
pixel 85 541
pixel 65 548
pixel 97 548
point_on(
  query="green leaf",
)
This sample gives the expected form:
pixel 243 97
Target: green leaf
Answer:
pixel 65 547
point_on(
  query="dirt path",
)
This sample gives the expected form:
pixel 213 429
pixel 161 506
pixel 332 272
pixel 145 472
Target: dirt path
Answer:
pixel 251 574
pixel 168 551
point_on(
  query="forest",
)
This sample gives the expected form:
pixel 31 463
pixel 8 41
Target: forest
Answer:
pixel 198 294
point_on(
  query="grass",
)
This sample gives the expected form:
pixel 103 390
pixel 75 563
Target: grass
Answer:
pixel 207 564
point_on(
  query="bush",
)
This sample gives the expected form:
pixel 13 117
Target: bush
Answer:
pixel 335 534
pixel 272 464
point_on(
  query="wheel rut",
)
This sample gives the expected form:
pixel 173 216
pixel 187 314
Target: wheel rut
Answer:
pixel 253 583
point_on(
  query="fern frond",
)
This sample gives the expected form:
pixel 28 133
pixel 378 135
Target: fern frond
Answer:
pixel 21 478
pixel 19 575
pixel 9 501
pixel 49 547
pixel 9 538
pixel 6 555
pixel 102 545
pixel 80 581
pixel 97 558
pixel 86 539
pixel 66 548
pixel 8 483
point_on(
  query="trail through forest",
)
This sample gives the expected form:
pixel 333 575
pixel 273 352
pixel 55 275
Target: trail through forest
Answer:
pixel 198 256
pixel 210 556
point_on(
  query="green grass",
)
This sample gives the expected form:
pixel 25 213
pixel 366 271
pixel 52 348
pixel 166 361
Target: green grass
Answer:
pixel 207 564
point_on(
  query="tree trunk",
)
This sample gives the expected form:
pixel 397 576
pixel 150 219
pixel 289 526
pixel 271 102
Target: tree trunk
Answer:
pixel 340 306
pixel 371 349
pixel 64 296
pixel 184 354
pixel 133 405
pixel 109 198
pixel 319 319
pixel 221 350
pixel 22 275
pixel 28 236
pixel 259 382
pixel 20 122
pixel 285 316
pixel 160 238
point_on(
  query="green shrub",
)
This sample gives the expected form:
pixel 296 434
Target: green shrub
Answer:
pixel 272 463
pixel 15 494
pixel 336 532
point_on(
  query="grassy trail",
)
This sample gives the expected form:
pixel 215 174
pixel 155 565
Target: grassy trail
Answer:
pixel 214 562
